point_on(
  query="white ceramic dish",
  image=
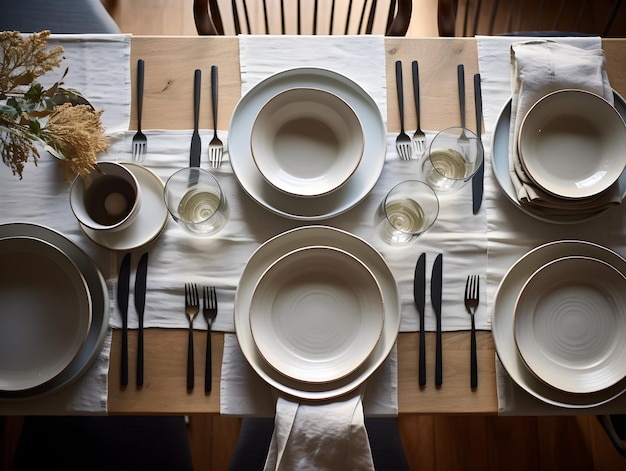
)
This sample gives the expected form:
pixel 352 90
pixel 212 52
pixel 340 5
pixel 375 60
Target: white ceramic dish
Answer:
pixel 306 142
pixel 45 313
pixel 570 324
pixel 500 165
pixel 571 144
pixel 326 206
pixel 316 314
pixel 504 312
pixel 150 220
pixel 99 295
pixel 294 239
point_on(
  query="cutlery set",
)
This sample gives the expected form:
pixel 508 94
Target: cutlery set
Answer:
pixel 123 293
pixel 216 146
pixel 419 296
pixel 209 311
pixel 407 146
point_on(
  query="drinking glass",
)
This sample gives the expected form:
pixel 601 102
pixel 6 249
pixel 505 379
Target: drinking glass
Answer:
pixel 196 201
pixel 454 156
pixel 407 211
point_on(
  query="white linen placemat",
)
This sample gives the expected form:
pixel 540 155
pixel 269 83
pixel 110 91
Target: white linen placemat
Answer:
pixel 42 196
pixel 512 233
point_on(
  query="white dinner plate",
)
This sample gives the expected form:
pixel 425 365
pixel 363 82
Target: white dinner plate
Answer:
pixel 570 324
pixel 504 312
pixel 571 144
pixel 500 166
pixel 45 312
pixel 99 295
pixel 316 314
pixel 306 236
pixel 325 206
pixel 150 221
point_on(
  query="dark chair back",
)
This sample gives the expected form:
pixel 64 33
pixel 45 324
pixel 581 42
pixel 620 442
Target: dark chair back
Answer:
pixel 309 16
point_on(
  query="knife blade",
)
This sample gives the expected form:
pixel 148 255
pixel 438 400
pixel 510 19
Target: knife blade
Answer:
pixel 140 304
pixel 435 296
pixel 122 303
pixel 196 143
pixel 419 296
pixel 478 179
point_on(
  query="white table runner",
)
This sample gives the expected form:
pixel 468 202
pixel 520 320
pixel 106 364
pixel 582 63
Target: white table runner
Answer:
pixel 512 233
pixel 42 197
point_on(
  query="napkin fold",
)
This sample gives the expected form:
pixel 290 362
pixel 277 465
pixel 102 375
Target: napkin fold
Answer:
pixel 309 437
pixel 539 67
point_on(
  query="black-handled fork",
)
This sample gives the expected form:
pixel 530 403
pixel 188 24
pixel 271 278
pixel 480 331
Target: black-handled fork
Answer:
pixel 209 310
pixel 192 307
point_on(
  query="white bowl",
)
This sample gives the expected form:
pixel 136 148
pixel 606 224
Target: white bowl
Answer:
pixel 570 324
pixel 108 199
pixel 306 142
pixel 316 314
pixel 45 312
pixel 572 143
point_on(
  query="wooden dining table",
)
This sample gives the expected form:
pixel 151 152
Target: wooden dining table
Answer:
pixel 167 100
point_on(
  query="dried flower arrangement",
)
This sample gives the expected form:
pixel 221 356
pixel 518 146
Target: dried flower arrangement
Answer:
pixel 31 114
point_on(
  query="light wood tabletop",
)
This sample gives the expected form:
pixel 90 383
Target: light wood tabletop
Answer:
pixel 168 95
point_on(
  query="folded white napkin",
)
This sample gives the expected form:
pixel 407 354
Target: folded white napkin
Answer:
pixel 319 437
pixel 539 67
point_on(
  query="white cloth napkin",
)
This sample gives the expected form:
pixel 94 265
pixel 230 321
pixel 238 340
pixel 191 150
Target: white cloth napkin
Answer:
pixel 89 58
pixel 512 233
pixel 318 437
pixel 539 67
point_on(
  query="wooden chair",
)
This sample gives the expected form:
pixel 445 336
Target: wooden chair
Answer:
pixel 489 17
pixel 389 17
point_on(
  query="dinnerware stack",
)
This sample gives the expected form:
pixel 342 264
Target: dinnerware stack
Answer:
pixel 571 144
pixel 54 315
pixel 310 143
pixel 317 311
pixel 570 150
pixel 559 323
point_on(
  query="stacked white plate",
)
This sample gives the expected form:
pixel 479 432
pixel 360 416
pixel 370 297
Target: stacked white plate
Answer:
pixel 317 311
pixel 280 195
pixel 559 323
pixel 53 311
pixel 571 144
pixel 501 166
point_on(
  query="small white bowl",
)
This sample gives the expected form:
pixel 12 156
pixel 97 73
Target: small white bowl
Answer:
pixel 572 143
pixel 108 199
pixel 306 142
pixel 316 314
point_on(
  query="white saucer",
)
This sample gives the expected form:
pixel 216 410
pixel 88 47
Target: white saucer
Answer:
pixel 150 221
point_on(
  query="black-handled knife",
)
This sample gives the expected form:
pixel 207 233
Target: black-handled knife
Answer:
pixel 419 295
pixel 123 281
pixel 196 143
pixel 478 179
pixel 436 281
pixel 140 304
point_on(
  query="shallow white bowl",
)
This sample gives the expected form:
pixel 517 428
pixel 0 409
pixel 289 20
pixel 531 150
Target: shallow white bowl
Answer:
pixel 45 312
pixel 316 314
pixel 570 324
pixel 572 143
pixel 306 142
